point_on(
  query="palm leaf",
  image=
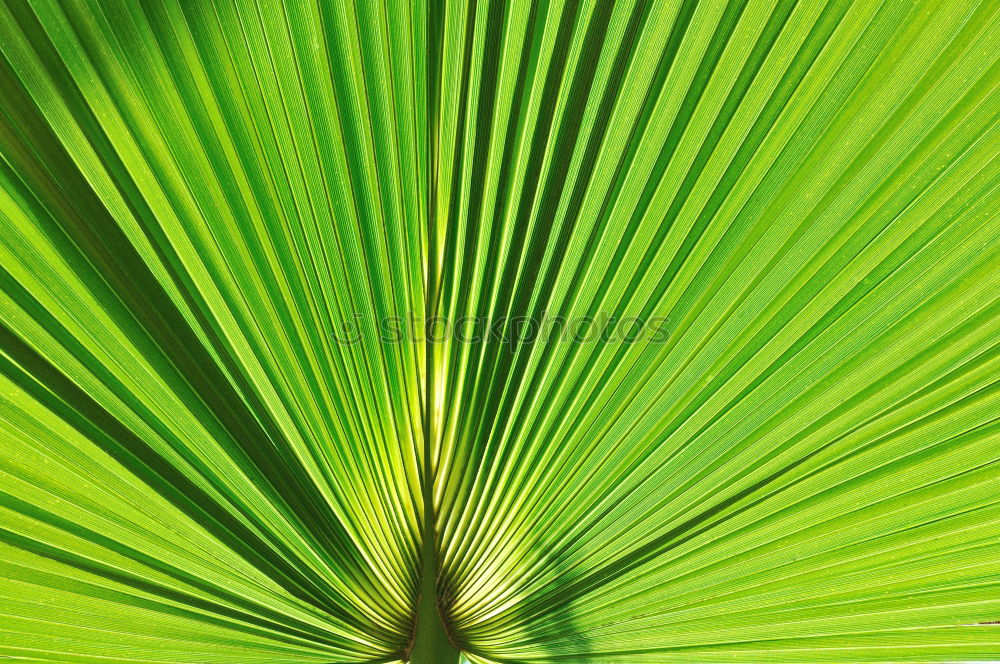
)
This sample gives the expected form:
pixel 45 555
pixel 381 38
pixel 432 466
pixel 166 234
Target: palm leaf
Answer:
pixel 712 301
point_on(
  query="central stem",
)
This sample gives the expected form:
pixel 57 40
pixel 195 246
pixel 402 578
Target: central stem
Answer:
pixel 431 644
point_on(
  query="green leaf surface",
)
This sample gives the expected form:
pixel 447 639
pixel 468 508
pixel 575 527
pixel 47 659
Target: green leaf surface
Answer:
pixel 713 371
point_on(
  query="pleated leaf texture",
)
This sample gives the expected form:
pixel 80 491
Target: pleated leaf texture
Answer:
pixel 509 331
